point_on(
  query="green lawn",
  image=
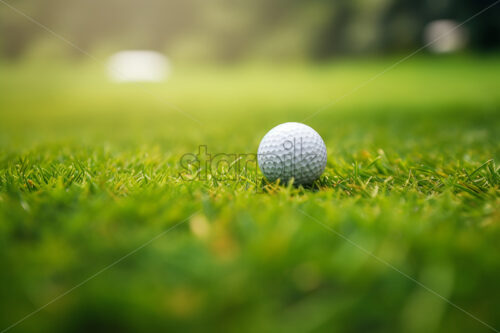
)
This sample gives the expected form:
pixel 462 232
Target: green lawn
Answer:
pixel 89 172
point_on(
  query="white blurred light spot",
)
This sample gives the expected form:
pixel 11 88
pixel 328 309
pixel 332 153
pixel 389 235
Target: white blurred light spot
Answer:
pixel 445 36
pixel 138 66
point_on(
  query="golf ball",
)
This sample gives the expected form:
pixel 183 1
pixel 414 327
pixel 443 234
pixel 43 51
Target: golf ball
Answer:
pixel 292 150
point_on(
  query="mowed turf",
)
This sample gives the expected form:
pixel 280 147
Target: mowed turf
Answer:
pixel 401 233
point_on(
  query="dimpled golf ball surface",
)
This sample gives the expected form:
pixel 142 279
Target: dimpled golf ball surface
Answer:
pixel 292 150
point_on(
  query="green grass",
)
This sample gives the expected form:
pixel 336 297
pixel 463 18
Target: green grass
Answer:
pixel 89 171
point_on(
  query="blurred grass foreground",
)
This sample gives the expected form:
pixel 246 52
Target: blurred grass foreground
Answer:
pixel 98 232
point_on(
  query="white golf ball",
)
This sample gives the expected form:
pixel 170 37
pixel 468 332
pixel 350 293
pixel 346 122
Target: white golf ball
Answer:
pixel 292 150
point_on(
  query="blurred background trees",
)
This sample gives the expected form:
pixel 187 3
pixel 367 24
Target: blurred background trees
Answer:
pixel 235 30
